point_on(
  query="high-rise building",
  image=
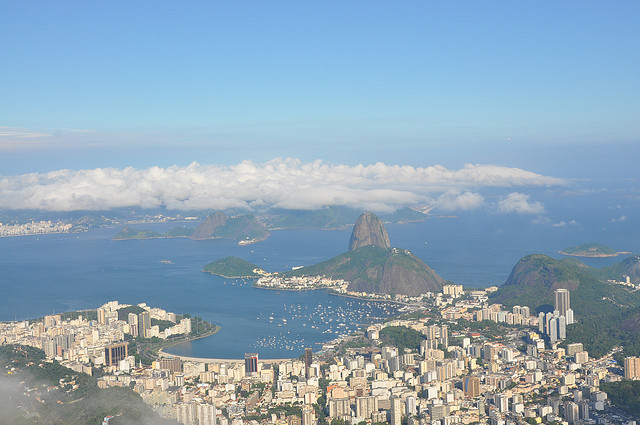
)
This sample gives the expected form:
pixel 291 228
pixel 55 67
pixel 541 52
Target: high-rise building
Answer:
pixel 250 364
pixel 562 301
pixel 308 415
pixel 632 367
pixel 115 352
pixel 308 359
pixel 396 411
pixel 144 324
pixel 132 320
pixel 102 315
pixel 571 412
pixel 471 386
pixel 502 402
pixel 366 406
pixel 411 406
pixel 339 407
pixel 206 414
pixel 172 364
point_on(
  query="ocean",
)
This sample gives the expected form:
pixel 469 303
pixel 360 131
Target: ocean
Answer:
pixel 55 273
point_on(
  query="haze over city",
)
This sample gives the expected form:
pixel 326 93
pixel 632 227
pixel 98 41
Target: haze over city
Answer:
pixel 325 213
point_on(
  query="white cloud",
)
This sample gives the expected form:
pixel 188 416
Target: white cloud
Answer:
pixel 14 138
pixel 547 221
pixel 516 202
pixel 454 200
pixel 287 183
pixel 620 219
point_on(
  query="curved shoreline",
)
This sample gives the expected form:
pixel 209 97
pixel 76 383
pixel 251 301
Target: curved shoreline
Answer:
pixel 230 277
pixel 161 353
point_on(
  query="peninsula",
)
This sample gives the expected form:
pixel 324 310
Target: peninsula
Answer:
pixel 592 250
pixel 369 267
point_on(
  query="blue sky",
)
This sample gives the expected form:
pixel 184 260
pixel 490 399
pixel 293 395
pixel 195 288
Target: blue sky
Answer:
pixel 550 87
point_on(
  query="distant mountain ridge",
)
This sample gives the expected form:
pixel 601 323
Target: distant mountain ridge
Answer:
pixel 207 228
pixel 244 227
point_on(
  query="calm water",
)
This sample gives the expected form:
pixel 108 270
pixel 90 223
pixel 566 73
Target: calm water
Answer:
pixel 54 273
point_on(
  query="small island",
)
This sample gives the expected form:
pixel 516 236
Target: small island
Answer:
pixel 233 268
pixel 593 250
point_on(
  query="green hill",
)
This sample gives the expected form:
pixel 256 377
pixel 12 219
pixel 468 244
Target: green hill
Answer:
pixel 333 218
pixel 243 227
pixel 129 233
pixel 630 266
pixel 58 395
pixel 232 267
pixel 606 314
pixel 378 270
pixel 590 250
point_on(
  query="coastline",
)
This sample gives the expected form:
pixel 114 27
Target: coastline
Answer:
pixel 367 299
pixel 587 255
pixel 161 353
pixel 331 292
pixel 230 277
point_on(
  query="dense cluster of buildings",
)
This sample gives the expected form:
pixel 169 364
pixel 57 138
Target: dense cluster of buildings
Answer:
pixel 79 343
pixel 455 376
pixel 34 228
pixel 299 283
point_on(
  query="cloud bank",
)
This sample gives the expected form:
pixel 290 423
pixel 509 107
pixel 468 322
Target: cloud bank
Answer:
pixel 280 183
pixel 519 203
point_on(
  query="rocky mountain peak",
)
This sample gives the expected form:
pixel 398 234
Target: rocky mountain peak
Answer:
pixel 367 231
pixel 207 227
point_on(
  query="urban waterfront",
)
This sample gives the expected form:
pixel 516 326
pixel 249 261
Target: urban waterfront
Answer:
pixel 47 274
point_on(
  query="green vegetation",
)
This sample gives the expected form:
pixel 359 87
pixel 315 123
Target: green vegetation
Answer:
pixel 334 218
pixel 401 337
pixel 34 390
pixel 607 315
pixel 162 324
pixel 231 267
pixel 179 232
pixel 128 233
pixel 242 227
pixel 351 265
pixel 377 270
pixel 624 394
pixel 590 250
pixel 326 218
pixel 123 313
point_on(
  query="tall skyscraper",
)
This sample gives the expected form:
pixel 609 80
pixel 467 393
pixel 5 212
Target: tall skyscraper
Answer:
pixel 471 386
pixel 562 301
pixel 632 367
pixel 144 324
pixel 396 411
pixel 308 359
pixel 250 363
